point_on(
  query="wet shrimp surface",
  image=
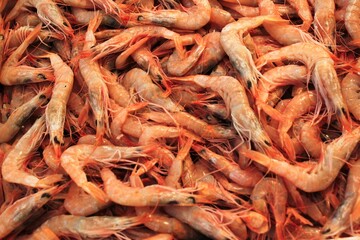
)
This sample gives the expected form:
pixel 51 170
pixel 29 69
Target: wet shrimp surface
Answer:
pixel 179 119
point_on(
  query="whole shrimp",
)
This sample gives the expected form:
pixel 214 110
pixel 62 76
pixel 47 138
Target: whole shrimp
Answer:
pixel 323 73
pixel 352 18
pixel 49 13
pixel 21 114
pixel 247 178
pixel 74 158
pixel 350 88
pixel 310 138
pixel 325 23
pixel 21 210
pixel 240 57
pixel 56 109
pixel 153 195
pixel 193 18
pixel 273 192
pixel 244 119
pixel 343 216
pixel 98 92
pixel 318 176
pixel 14 73
pixel 87 227
pixel 13 169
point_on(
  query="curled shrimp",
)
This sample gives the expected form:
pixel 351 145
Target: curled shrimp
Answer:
pixel 49 13
pixel 13 166
pixel 18 118
pixel 74 158
pixel 153 195
pixel 12 73
pixel 319 176
pixel 310 139
pixel 350 88
pixel 325 23
pixel 56 109
pixel 324 77
pixel 240 57
pixel 272 191
pixel 21 210
pixel 352 16
pixel 87 227
pixel 193 18
pixel 303 9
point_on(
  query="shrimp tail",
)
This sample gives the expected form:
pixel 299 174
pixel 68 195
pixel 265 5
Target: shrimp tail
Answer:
pixel 57 150
pixel 288 146
pixel 345 120
pixel 257 157
pixel 95 191
pixel 50 180
pixel 272 112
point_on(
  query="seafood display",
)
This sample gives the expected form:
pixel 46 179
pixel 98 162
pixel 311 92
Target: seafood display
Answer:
pixel 179 119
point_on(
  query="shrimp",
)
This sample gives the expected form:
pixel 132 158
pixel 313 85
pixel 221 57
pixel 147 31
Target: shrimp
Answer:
pixel 310 139
pixel 192 123
pixel 20 211
pixel 13 167
pixel 82 16
pixel 49 13
pixel 303 9
pixel 220 17
pixel 153 195
pixel 87 227
pixel 350 88
pixel 343 216
pixel 56 109
pixel 193 18
pixel 19 117
pixel 179 66
pixel 121 41
pixel 246 178
pixel 142 83
pixel 352 18
pixel 272 191
pixel 325 23
pixel 211 56
pixel 77 202
pixel 202 220
pixel 98 91
pixel 12 73
pixel 318 176
pixel 324 77
pixel 74 158
pixel 243 117
pixel 240 57
pixel 298 106
pixel 287 34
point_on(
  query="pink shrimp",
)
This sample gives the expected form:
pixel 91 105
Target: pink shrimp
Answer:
pixel 352 16
pixel 325 23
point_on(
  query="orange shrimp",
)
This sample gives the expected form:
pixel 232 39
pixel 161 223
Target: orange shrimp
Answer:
pixel 318 176
pixel 12 73
pixel 49 13
pixel 13 167
pixel 273 192
pixel 83 16
pixel 87 227
pixel 350 88
pixel 220 17
pixel 325 23
pixel 193 18
pixel 352 16
pixel 153 195
pixel 21 114
pixel 324 77
pixel 74 158
pixel 56 109
pixel 77 202
pixel 240 57
pixel 246 178
pixel 98 91
pixel 310 139
pixel 303 9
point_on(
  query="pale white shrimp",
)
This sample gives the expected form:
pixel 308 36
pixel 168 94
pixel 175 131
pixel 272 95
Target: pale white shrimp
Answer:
pixel 318 176
pixel 56 109
pixel 13 169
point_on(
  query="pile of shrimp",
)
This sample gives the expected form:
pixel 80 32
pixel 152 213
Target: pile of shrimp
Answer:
pixel 189 119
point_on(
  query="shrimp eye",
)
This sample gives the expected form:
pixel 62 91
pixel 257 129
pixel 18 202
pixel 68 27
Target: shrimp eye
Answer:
pixel 267 143
pixel 56 140
pixel 140 18
pixel 1 37
pixel 42 96
pixel 192 199
pixel 45 195
pixel 65 24
pixel 249 84
pixel 42 76
pixel 173 202
pixel 326 231
pixel 343 110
